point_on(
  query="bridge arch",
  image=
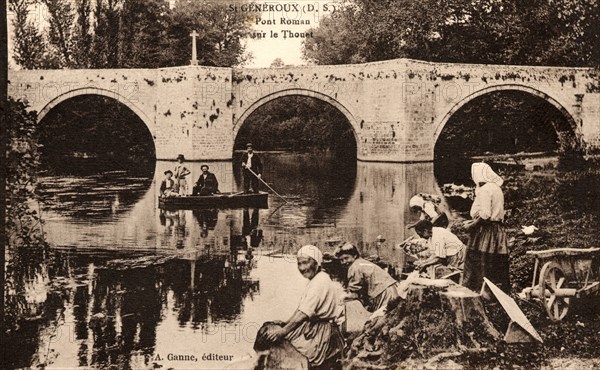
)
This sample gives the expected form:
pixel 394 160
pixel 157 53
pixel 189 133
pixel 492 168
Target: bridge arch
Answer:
pixel 507 87
pixel 238 122
pixel 97 91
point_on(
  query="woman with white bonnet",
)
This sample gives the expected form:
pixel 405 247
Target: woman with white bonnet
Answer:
pixel 487 252
pixel 313 329
pixel 428 208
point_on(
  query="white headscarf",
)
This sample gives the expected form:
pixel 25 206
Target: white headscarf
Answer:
pixel 312 252
pixel 482 172
pixel 416 201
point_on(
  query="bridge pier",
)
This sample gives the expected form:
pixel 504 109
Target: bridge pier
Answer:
pixel 396 108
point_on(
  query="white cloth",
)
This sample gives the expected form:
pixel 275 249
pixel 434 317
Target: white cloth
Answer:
pixel 488 203
pixel 312 252
pixel 427 208
pixel 249 161
pixel 321 298
pixel 181 171
pixel 416 201
pixel 319 338
pixel 444 243
pixel 482 172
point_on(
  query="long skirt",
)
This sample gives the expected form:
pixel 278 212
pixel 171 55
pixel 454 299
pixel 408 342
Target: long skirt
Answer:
pixel 487 256
pixel 319 341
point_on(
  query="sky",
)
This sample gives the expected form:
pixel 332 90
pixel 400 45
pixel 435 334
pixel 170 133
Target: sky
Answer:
pixel 267 49
pixel 263 49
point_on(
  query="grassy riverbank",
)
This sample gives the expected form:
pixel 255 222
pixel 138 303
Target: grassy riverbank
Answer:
pixel 564 204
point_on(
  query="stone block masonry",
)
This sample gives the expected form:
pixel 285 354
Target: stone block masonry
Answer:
pixel 396 108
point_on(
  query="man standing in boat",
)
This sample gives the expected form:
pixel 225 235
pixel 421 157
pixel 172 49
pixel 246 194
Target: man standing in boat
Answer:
pixel 251 163
pixel 207 183
pixel 181 172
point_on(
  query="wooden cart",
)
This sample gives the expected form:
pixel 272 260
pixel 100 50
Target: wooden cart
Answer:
pixel 562 274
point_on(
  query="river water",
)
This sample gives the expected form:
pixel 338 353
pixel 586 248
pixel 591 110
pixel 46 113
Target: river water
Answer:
pixel 210 296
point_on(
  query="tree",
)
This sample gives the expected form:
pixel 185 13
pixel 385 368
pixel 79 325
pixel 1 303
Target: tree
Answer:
pixel 277 63
pixel 128 34
pixel 60 30
pixel 105 42
pixel 82 37
pixel 505 122
pixel 23 235
pixel 21 161
pixel 142 40
pixel 221 32
pixel 29 48
pixel 100 127
pixel 537 32
pixel 298 123
pixel 337 40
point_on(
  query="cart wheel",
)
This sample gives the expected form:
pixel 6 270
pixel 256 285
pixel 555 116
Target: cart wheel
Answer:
pixel 551 279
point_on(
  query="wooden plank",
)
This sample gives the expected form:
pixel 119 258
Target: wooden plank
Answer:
pixel 514 312
pixel 590 288
pixel 557 252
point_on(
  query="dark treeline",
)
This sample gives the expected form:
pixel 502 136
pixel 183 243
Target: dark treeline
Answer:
pixel 150 34
pixel 23 235
pixel 533 32
pixel 95 133
pixel 506 122
pixel 536 32
pixel 297 123
pixel 125 33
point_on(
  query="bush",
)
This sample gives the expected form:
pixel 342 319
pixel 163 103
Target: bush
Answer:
pixel 24 237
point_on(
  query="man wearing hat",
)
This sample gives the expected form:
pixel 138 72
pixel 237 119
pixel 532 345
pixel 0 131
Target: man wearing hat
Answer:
pixel 207 183
pixel 181 172
pixel 167 185
pixel 251 161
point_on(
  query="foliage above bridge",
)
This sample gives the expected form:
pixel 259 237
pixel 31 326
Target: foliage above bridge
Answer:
pixel 537 32
pixel 125 33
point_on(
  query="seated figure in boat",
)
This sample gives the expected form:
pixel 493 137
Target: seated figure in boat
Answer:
pixel 207 183
pixel 366 281
pixel 167 186
pixel 428 207
pixel 313 328
pixel 445 248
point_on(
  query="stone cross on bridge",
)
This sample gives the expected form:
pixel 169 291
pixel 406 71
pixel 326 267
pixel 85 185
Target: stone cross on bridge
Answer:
pixel 396 108
pixel 194 60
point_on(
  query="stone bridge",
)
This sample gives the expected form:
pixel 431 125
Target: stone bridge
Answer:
pixel 397 108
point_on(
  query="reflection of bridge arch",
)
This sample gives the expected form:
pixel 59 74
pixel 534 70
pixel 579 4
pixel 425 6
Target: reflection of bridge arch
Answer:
pixel 97 91
pixel 237 124
pixel 507 87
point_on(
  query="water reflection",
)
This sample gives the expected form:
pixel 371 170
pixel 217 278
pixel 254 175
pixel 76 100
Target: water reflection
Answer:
pixel 251 233
pixel 222 273
pixel 101 316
